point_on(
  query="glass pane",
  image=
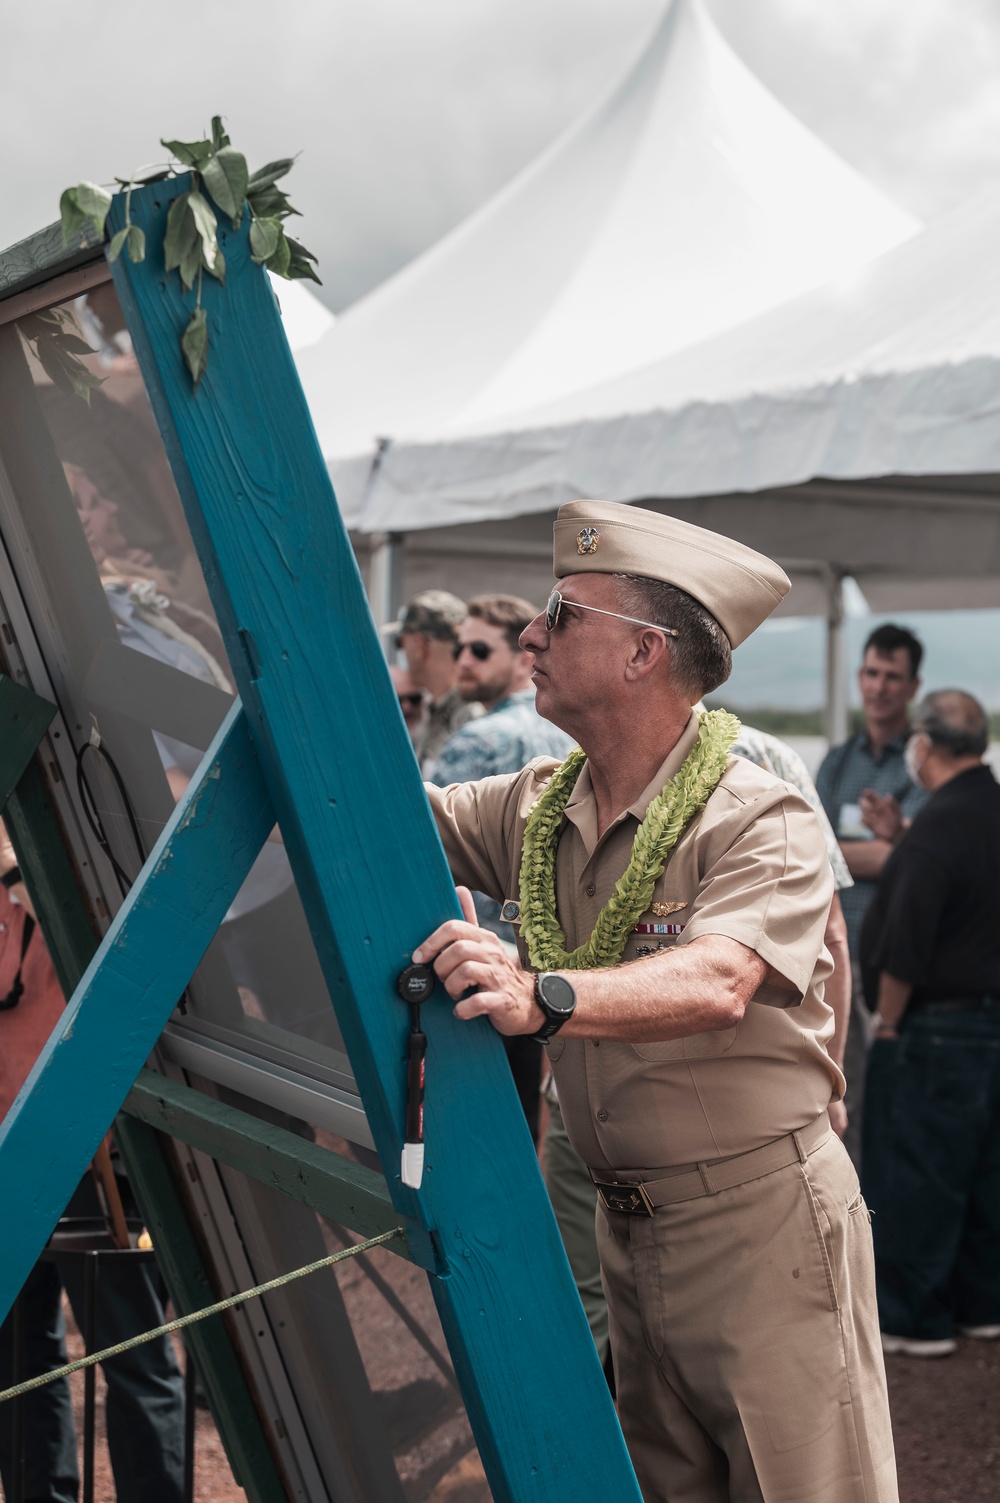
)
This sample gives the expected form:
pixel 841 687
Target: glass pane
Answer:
pixel 97 536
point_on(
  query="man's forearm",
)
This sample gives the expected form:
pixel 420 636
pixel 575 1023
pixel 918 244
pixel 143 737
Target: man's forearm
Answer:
pixel 838 986
pixel 866 858
pixel 696 988
pixel 893 998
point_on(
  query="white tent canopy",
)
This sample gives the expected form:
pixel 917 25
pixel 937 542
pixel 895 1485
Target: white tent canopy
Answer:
pixel 893 373
pixel 687 201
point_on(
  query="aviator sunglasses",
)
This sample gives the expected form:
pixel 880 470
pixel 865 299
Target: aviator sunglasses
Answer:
pixel 556 603
pixel 480 650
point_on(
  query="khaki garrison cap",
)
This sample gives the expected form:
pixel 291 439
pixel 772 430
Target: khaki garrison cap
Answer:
pixel 739 587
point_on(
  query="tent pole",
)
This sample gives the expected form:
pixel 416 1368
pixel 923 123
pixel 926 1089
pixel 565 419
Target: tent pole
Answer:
pixel 385 578
pixel 835 717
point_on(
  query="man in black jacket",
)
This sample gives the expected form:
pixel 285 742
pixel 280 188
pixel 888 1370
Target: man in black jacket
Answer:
pixel 931 957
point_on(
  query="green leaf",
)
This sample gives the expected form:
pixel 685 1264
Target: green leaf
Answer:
pixel 191 264
pixel 299 267
pixel 225 177
pixel 268 201
pixel 206 224
pixel 266 176
pixel 182 232
pixel 117 241
pixel 280 258
pixel 155 172
pixel 191 153
pixel 65 371
pixel 72 216
pixel 219 137
pixel 95 202
pixel 218 267
pixel 136 243
pixel 72 344
pixel 264 238
pixel 194 344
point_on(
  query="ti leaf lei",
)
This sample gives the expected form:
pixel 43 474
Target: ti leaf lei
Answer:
pixel 665 820
pixel 190 245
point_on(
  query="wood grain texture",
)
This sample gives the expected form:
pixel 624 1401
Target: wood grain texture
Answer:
pixel 320 1179
pixel 43 254
pixel 131 986
pixel 368 864
pixel 24 719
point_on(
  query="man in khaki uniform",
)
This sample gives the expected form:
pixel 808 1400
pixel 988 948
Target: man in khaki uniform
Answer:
pixel 690 1055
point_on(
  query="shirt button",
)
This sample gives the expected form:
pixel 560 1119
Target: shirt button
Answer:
pixel 591 889
pixel 596 1043
pixel 602 1115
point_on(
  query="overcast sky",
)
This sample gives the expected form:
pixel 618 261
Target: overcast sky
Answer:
pixel 409 113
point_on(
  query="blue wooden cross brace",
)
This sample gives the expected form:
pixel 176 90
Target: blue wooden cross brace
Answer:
pixel 319 742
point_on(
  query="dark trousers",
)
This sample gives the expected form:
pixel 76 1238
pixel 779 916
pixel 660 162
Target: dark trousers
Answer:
pixel 931 1173
pixel 145 1398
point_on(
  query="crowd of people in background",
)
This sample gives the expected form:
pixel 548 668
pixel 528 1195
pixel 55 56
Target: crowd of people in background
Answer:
pixel 911 816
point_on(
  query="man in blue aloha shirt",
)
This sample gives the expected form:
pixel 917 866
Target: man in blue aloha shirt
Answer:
pixel 493 670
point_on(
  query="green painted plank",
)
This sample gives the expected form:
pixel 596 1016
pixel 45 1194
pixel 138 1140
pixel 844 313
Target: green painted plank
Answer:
pixel 334 1186
pixel 368 864
pixel 168 1220
pixel 24 719
pixel 117 1012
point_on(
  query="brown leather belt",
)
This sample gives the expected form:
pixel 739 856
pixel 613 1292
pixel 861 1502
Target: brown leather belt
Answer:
pixel 644 1197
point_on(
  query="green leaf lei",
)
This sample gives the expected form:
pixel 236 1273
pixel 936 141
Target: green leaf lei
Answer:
pixel 668 814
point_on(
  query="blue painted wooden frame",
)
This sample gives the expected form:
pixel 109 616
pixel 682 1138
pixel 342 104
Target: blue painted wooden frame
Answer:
pixel 339 769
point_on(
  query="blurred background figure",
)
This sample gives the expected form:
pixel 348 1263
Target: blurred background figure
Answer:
pixel 931 959
pixel 145 1395
pixel 427 633
pixel 871 761
pixel 411 701
pixel 494 672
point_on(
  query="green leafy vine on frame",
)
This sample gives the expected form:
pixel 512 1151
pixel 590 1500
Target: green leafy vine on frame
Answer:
pixel 221 181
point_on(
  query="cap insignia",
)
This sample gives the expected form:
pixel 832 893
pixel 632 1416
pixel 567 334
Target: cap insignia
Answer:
pixel 587 540
pixel 664 910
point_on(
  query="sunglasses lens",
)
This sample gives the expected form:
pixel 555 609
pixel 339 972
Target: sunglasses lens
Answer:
pixel 480 651
pixel 552 610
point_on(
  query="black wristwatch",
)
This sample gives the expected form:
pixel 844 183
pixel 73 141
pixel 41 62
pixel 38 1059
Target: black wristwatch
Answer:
pixel 557 999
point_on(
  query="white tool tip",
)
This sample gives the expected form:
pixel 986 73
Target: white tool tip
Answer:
pixel 412 1170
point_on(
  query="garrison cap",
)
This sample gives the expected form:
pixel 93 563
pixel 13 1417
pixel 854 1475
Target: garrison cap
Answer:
pixel 739 587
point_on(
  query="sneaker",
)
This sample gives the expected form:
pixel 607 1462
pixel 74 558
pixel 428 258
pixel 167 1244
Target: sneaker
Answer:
pixel 981 1333
pixel 910 1346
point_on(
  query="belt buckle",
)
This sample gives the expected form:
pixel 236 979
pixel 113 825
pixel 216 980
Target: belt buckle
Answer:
pixel 629 1200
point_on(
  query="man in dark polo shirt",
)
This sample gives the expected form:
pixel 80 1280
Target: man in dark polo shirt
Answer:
pixel 931 958
pixel 870 762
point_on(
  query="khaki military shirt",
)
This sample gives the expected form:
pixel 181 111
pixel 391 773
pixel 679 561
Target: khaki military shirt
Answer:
pixel 752 866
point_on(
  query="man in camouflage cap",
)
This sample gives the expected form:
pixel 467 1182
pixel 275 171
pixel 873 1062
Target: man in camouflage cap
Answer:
pixel 427 632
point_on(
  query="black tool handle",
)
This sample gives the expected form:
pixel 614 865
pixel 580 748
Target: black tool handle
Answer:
pixel 415 1081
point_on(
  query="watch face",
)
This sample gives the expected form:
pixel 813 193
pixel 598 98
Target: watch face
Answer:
pixel 557 993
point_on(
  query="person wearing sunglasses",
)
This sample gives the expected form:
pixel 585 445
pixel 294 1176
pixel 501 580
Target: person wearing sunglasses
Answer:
pixel 670 902
pixel 426 634
pixel 495 671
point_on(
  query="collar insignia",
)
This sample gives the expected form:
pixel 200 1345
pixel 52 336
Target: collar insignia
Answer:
pixel 587 540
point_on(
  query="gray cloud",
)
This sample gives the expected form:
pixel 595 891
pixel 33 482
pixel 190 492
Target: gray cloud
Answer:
pixel 409 116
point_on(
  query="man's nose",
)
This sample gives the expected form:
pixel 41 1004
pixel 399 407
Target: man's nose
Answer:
pixel 534 638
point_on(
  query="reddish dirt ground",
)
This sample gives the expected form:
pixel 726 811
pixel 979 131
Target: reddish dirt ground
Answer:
pixel 946 1416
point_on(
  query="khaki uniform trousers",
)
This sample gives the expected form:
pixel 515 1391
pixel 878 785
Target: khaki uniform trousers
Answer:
pixel 745 1341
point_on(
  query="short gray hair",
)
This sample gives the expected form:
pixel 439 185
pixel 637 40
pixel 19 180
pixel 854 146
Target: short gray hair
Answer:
pixel 954 722
pixel 701 657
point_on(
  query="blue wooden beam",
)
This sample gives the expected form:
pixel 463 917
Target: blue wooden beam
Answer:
pixel 370 869
pixel 117 1012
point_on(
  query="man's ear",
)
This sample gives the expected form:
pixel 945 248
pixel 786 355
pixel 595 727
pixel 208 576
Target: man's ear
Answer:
pixel 650 651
